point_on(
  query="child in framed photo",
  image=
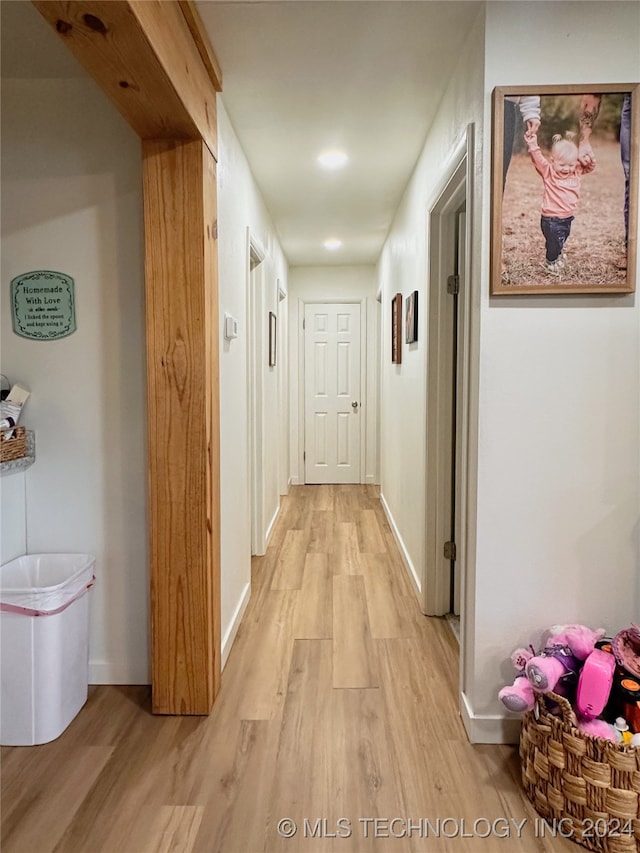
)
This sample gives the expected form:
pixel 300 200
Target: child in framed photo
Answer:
pixel 561 179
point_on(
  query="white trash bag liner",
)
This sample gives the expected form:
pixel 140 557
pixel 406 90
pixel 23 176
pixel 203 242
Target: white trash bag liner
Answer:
pixel 44 584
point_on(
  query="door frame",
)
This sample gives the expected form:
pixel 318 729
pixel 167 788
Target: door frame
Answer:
pixel 455 191
pixel 283 386
pixel 255 257
pixel 302 303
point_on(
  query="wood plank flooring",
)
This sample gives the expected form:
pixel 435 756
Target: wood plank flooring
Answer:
pixel 338 710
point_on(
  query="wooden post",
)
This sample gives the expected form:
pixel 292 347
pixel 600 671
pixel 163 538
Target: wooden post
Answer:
pixel 182 376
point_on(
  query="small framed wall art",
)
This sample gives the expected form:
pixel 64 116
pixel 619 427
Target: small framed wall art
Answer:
pixel 396 329
pixel 272 339
pixel 411 331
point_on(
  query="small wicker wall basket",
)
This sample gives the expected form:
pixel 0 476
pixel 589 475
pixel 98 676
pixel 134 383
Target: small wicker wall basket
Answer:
pixel 13 443
pixel 587 786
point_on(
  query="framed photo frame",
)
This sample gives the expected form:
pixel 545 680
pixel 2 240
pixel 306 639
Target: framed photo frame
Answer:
pixel 396 329
pixel 272 339
pixel 411 326
pixel 564 189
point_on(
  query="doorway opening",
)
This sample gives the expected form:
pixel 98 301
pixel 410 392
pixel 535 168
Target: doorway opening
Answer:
pixel 449 305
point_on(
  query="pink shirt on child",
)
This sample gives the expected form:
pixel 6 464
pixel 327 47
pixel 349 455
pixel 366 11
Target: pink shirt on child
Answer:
pixel 561 194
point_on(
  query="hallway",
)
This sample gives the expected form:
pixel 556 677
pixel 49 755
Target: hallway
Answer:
pixel 338 701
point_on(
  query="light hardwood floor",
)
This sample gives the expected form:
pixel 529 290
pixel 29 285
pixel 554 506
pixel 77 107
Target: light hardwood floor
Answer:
pixel 338 706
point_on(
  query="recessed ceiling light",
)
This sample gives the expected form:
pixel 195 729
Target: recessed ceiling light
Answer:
pixel 332 158
pixel 332 244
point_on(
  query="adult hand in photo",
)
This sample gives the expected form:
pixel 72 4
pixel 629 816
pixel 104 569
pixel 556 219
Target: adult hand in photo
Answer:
pixel 586 156
pixel 589 109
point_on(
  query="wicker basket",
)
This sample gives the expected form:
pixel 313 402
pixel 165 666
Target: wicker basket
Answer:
pixel 588 786
pixel 13 443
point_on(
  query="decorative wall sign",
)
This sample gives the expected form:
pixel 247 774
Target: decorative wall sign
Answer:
pixel 43 305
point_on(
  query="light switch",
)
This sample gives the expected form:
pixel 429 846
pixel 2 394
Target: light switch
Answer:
pixel 230 327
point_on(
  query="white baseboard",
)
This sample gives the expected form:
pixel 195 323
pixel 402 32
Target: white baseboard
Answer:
pixel 293 481
pixel 370 480
pixel 488 728
pixel 413 575
pixel 272 524
pixel 232 630
pixel 102 672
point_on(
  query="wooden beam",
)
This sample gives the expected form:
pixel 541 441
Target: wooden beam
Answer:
pixel 200 37
pixel 166 27
pixel 143 55
pixel 183 408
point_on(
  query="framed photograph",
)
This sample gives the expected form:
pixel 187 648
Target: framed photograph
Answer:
pixel 564 189
pixel 411 330
pixel 272 339
pixel 396 329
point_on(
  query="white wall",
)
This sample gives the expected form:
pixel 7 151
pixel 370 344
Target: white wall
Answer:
pixel 403 268
pixel 71 201
pixel 13 538
pixel 323 284
pixel 559 396
pixel 240 207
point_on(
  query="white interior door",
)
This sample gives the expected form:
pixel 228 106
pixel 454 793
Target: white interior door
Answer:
pixel 332 393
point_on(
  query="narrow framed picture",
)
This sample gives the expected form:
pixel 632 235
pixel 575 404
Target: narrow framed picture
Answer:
pixel 411 330
pixel 564 195
pixel 272 339
pixel 396 329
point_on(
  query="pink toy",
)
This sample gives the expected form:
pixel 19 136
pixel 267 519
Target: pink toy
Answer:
pixel 598 728
pixel 566 648
pixel 626 648
pixel 519 696
pixel 594 684
pixel 559 662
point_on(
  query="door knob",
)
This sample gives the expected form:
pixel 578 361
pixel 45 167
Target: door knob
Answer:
pixel 354 405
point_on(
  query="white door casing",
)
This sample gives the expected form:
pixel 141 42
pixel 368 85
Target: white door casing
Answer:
pixel 456 192
pixel 459 431
pixel 440 371
pixel 332 393
pixel 255 286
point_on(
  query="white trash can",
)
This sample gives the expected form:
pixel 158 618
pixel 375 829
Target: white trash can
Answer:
pixel 44 645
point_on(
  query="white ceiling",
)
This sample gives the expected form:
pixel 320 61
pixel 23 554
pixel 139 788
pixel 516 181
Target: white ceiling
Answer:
pixel 303 75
